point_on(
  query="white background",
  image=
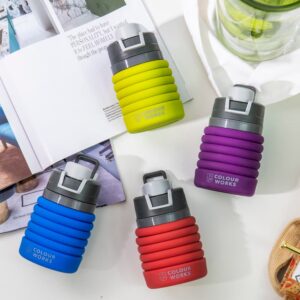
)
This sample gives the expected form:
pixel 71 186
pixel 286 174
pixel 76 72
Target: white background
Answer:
pixel 238 233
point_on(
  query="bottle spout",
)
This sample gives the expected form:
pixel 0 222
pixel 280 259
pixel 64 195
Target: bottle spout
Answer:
pixel 130 36
pixel 240 99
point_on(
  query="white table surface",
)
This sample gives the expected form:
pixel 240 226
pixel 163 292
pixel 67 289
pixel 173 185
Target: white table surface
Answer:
pixel 237 233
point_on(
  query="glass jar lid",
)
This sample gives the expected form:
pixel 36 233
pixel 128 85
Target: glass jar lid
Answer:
pixel 273 5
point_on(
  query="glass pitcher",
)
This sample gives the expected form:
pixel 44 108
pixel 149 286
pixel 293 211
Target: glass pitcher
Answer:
pixel 258 30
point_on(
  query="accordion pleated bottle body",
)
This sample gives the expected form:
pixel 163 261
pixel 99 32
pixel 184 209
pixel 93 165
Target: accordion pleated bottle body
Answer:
pixel 232 146
pixel 168 237
pixel 56 236
pixel 171 253
pixel 143 82
pixel 229 160
pixel 62 220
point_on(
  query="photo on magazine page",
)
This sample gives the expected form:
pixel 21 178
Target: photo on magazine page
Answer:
pixel 17 202
pixel 13 166
pixel 22 23
pixel 74 13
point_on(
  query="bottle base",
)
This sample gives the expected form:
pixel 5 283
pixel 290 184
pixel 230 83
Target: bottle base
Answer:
pixel 225 182
pixel 48 258
pixel 177 274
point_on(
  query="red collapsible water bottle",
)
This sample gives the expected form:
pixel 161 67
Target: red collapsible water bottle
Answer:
pixel 167 235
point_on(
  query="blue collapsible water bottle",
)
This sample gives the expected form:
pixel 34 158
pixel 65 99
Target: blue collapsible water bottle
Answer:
pixel 62 219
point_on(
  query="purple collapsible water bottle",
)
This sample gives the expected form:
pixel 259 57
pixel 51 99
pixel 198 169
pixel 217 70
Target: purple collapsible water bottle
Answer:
pixel 231 147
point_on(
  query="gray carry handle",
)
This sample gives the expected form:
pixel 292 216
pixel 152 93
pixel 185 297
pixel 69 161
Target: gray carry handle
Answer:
pixel 152 175
pixel 89 159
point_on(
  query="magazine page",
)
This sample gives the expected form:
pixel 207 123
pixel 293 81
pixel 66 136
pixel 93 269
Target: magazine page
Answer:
pixel 17 202
pixel 13 166
pixel 18 29
pixel 61 88
pixel 14 144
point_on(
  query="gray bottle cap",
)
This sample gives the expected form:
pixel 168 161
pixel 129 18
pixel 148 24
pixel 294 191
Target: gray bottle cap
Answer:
pixel 160 204
pixel 239 110
pixel 75 186
pixel 133 46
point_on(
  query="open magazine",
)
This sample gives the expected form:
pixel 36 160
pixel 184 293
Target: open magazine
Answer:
pixel 56 91
pixel 17 201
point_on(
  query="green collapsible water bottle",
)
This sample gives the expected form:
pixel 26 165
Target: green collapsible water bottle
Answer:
pixel 258 30
pixel 142 80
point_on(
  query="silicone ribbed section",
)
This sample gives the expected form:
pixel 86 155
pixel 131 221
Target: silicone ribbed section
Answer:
pixel 229 161
pixel 148 96
pixel 171 253
pixel 56 236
